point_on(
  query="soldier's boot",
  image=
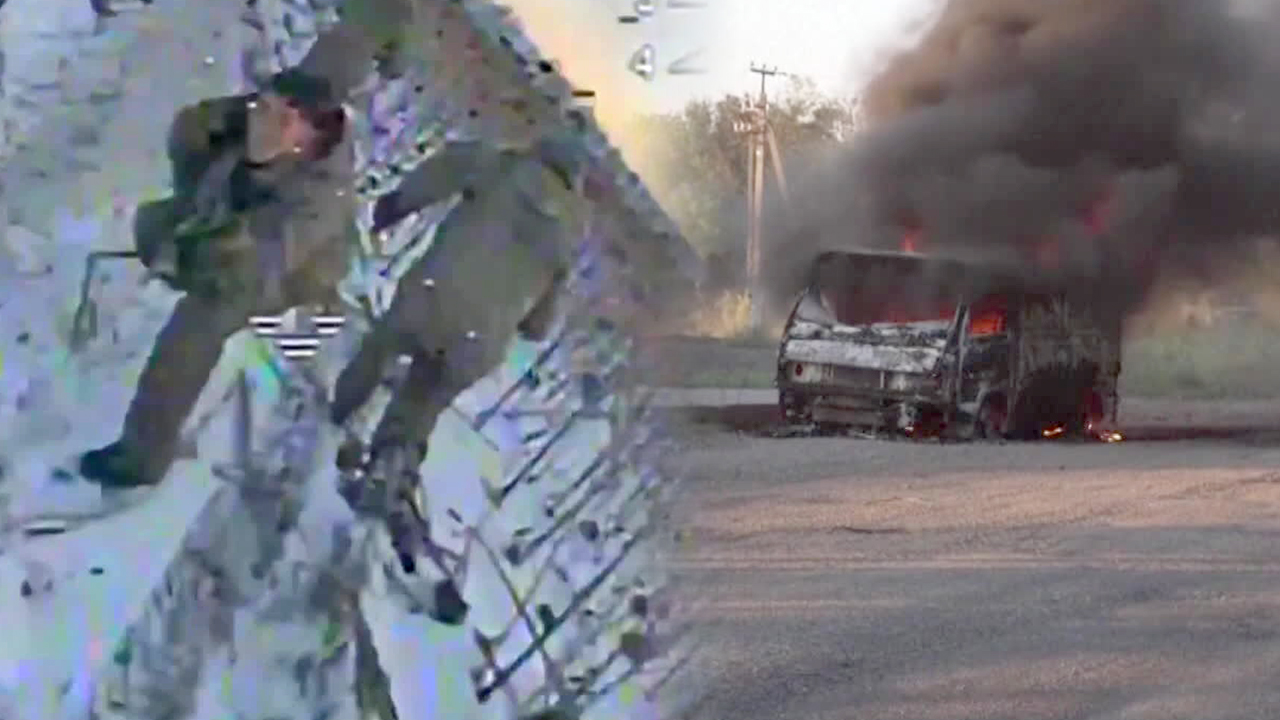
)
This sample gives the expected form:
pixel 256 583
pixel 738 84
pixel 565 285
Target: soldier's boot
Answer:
pixel 115 465
pixel 183 357
pixel 350 455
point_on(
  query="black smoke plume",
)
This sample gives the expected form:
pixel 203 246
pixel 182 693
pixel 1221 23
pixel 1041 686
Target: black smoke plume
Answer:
pixel 1109 141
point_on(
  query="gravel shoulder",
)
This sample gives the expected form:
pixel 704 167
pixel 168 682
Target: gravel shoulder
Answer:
pixel 837 578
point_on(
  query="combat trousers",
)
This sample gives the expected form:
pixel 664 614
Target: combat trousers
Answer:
pixel 181 361
pixel 454 332
pixel 190 345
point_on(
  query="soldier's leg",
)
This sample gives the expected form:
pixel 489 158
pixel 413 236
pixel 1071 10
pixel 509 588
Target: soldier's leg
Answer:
pixel 458 333
pixel 181 360
pixel 359 379
pixel 436 377
pixel 403 421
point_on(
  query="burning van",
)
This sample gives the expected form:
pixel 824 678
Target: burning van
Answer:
pixel 926 345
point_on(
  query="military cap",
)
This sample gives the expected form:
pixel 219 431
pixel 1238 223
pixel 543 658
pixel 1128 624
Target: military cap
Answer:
pixel 308 92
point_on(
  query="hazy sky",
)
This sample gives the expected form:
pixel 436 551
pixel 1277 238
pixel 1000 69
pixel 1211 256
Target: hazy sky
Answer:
pixel 835 42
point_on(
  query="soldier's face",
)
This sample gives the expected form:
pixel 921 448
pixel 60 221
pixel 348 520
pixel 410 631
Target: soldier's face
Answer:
pixel 277 129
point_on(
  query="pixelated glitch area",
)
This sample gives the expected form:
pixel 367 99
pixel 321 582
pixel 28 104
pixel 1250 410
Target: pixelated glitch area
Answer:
pixel 316 383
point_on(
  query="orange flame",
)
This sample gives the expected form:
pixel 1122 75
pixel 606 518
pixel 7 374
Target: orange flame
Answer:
pixel 911 240
pixel 988 316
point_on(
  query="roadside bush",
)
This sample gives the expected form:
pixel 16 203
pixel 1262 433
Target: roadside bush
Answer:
pixel 1235 359
pixel 702 362
pixel 726 315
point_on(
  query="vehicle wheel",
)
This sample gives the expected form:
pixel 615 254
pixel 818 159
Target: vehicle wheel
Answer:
pixel 1091 416
pixel 989 425
pixel 1079 426
pixel 827 429
pixel 932 424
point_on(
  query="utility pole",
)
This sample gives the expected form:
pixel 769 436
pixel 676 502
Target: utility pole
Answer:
pixel 757 135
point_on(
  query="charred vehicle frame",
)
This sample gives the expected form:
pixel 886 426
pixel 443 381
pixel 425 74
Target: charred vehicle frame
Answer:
pixel 936 346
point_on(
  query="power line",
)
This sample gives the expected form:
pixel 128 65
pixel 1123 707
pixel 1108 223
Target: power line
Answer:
pixel 756 139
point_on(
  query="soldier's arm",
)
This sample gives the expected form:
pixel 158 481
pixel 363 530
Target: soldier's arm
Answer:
pixel 436 179
pixel 368 30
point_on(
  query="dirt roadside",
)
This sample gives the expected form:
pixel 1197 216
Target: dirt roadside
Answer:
pixel 840 578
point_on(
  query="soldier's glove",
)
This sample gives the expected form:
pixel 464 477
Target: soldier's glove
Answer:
pixel 387 212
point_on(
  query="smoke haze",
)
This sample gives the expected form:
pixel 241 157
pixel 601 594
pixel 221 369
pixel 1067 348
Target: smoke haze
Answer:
pixel 1116 140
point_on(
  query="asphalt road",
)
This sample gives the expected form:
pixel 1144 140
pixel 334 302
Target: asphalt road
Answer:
pixel 844 579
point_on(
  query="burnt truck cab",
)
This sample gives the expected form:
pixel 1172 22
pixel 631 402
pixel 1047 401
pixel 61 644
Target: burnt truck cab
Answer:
pixel 927 345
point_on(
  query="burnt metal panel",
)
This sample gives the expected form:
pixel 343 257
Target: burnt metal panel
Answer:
pixel 895 358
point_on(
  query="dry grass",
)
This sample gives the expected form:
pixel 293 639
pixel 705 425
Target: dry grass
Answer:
pixel 715 347
pixel 701 362
pixel 725 316
pixel 1238 359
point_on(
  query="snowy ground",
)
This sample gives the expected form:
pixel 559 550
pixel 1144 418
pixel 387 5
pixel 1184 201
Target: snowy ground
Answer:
pixel 92 584
pixel 91 587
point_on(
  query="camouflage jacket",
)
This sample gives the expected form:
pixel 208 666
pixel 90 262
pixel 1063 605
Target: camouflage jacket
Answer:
pixel 287 225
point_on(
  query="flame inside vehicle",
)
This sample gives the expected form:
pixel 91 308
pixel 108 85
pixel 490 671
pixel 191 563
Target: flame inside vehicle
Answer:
pixel 1106 436
pixel 911 233
pixel 936 345
pixel 989 316
pixel 910 241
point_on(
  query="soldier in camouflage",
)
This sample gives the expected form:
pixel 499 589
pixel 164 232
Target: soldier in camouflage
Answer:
pixel 261 219
pixel 494 269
